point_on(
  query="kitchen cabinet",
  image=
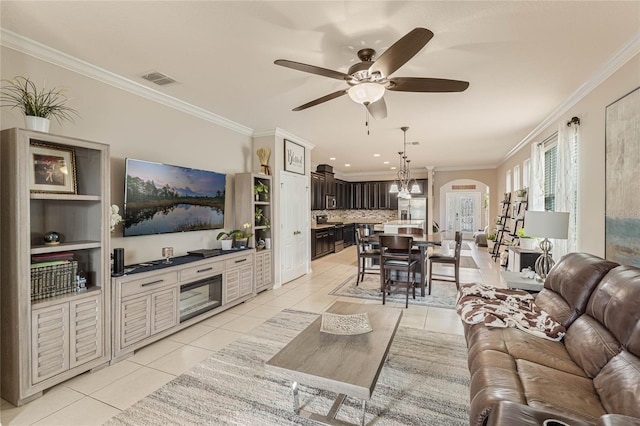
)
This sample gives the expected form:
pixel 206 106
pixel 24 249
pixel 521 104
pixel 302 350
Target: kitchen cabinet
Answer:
pixel 322 242
pixel 349 234
pixel 317 191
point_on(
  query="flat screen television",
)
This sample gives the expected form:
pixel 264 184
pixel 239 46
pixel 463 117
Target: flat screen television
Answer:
pixel 160 198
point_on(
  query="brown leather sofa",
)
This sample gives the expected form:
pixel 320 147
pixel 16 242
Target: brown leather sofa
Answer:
pixel 590 377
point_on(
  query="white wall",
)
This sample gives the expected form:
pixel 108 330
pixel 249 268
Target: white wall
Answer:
pixel 591 162
pixel 138 128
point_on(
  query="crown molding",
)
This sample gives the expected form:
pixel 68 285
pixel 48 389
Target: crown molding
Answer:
pixel 45 53
pixel 630 49
pixel 463 168
pixel 278 132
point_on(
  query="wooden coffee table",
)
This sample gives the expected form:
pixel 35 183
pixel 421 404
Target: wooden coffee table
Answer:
pixel 347 365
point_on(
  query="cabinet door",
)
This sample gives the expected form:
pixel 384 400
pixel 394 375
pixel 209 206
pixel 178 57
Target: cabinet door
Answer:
pixel 266 265
pixel 232 284
pixel 85 330
pixel 49 341
pixel 246 280
pixel 164 310
pixel 315 188
pixel 383 195
pixel 135 320
pixel 259 270
pixel 357 195
pixel 329 184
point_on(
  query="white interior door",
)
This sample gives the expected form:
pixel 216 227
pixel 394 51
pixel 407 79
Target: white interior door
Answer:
pixel 463 212
pixel 294 212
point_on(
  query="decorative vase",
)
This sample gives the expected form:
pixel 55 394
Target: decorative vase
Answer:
pixel 242 243
pixel 39 124
pixel 528 243
pixel 226 244
pixel 52 238
pixel 267 243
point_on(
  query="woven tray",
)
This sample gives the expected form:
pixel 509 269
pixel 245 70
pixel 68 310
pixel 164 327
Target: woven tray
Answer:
pixel 345 325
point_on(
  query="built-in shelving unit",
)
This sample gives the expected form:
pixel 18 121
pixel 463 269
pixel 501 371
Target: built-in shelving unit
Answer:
pixel 255 207
pixel 502 227
pixel 52 338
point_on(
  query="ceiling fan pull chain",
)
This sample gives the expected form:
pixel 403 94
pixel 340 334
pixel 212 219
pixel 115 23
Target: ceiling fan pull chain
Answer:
pixel 366 120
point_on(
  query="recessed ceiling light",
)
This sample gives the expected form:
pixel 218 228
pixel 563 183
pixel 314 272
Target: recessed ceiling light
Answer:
pixel 386 162
pixel 393 167
pixel 332 158
pixel 347 165
pixel 376 155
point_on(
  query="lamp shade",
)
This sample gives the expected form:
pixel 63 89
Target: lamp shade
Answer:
pixel 394 188
pixel 366 92
pixel 547 224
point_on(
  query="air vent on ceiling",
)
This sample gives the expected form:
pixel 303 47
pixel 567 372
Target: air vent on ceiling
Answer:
pixel 158 78
pixel 414 143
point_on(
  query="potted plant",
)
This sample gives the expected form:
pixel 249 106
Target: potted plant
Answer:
pixel 521 195
pixel 242 236
pixel 499 224
pixel 491 240
pixel 261 191
pixel 38 106
pixel 526 242
pixel 226 239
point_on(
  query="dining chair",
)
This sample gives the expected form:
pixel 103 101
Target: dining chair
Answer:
pixel 449 258
pixel 395 256
pixel 364 253
pixel 415 252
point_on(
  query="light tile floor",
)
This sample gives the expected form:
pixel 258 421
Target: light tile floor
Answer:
pixel 93 398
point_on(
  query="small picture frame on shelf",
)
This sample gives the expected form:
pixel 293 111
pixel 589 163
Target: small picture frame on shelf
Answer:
pixel 293 157
pixel 52 169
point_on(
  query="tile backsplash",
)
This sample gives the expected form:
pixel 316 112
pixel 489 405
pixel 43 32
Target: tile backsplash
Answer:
pixel 371 216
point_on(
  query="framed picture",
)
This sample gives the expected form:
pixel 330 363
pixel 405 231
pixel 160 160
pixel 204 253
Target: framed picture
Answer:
pixel 293 157
pixel 622 180
pixel 53 169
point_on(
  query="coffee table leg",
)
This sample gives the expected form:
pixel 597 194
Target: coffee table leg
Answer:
pixel 364 412
pixel 296 401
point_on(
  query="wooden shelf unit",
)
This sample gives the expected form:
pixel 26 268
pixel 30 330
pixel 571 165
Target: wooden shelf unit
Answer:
pixel 247 204
pixel 47 341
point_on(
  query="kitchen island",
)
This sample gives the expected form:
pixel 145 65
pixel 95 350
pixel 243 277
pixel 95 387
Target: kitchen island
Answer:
pixel 392 226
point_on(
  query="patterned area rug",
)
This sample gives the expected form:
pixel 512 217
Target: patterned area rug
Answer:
pixel 443 294
pixel 425 382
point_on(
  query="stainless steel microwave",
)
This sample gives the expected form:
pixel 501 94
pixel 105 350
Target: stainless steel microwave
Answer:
pixel 331 202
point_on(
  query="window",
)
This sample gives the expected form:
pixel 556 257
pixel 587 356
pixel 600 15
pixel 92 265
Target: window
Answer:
pixel 508 183
pixel 550 175
pixel 516 178
pixel 526 170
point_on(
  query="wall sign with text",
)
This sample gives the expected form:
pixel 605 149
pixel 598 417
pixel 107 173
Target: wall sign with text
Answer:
pixel 293 157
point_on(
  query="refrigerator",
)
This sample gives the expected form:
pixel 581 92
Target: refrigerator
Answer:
pixel 413 209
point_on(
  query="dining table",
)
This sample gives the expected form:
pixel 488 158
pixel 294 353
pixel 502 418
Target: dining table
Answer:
pixel 421 242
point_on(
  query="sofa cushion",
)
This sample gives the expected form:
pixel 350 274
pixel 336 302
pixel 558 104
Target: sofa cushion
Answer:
pixel 590 344
pixel 618 385
pixel 554 390
pixel 612 304
pixel 572 280
pixel 519 346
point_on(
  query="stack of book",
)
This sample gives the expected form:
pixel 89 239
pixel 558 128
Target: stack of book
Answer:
pixel 52 274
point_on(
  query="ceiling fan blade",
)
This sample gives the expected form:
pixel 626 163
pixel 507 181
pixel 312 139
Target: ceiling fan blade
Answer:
pixel 321 100
pixel 311 69
pixel 418 84
pixel 377 109
pixel 401 51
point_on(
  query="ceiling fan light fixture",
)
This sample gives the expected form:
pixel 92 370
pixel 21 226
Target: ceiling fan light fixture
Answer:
pixel 366 93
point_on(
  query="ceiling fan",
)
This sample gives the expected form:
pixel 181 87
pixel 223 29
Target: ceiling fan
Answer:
pixel 369 79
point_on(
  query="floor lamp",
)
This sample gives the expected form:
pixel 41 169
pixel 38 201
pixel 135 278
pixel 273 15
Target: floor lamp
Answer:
pixel 546 225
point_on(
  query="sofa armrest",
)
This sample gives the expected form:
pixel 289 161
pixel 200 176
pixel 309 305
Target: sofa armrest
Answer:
pixel 507 413
pixel 618 420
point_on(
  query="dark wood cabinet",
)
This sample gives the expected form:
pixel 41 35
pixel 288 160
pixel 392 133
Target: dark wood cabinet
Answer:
pixel 322 242
pixel 329 184
pixel 317 191
pixel 348 235
pixel 383 195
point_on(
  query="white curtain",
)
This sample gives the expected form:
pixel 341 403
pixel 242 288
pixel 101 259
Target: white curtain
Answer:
pixel 536 192
pixel 567 184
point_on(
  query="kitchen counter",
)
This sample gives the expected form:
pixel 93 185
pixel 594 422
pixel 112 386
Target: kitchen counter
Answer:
pixel 406 222
pixel 323 226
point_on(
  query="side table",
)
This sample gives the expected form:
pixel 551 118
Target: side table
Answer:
pixel 515 280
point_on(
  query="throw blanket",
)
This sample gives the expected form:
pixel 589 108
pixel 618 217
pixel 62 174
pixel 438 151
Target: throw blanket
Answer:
pixel 497 307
